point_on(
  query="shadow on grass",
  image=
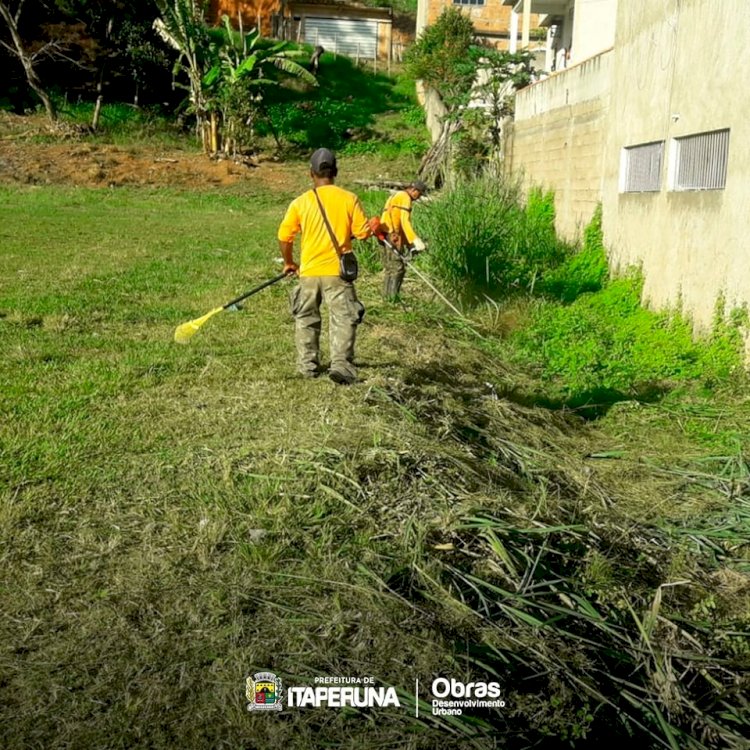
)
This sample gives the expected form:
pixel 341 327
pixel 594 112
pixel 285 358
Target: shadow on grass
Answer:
pixel 590 405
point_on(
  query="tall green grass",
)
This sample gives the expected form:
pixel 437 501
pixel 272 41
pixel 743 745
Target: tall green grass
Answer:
pixel 583 271
pixel 124 123
pixel 484 242
pixel 593 335
pixel 590 336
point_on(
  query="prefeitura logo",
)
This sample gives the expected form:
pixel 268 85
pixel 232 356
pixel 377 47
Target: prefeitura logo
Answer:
pixel 264 692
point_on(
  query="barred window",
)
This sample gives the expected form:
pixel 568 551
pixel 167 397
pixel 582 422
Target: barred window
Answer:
pixel 640 168
pixel 699 162
pixel 468 2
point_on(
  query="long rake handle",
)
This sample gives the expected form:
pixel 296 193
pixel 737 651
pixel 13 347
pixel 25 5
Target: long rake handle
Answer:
pixel 256 290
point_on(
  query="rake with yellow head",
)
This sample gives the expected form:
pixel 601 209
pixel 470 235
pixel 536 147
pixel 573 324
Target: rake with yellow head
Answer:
pixel 183 333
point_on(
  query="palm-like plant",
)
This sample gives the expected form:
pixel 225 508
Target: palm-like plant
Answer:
pixel 182 26
pixel 243 65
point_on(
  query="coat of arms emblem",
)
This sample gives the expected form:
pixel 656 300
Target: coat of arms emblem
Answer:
pixel 264 692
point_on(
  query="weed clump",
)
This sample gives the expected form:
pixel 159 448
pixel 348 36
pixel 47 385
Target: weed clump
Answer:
pixel 485 243
pixel 584 271
pixel 607 340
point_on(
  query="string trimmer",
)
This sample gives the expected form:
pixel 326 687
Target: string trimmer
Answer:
pixel 383 240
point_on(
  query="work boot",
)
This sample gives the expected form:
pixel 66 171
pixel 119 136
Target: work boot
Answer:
pixel 341 378
pixel 392 284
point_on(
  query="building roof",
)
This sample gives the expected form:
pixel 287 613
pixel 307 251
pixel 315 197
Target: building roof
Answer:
pixel 540 6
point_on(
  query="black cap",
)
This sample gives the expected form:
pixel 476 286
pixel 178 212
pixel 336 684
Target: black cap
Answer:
pixel 419 185
pixel 322 159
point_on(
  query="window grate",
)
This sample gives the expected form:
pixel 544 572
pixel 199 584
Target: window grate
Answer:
pixel 700 161
pixel 640 168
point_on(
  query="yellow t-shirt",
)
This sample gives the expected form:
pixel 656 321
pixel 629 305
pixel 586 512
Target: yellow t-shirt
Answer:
pixel 397 216
pixel 318 256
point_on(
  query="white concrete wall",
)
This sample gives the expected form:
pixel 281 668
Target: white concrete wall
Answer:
pixel 593 28
pixel 559 138
pixel 679 69
pixel 591 79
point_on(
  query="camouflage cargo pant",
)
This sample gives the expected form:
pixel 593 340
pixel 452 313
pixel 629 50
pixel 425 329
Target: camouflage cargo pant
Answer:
pixel 345 314
pixel 395 270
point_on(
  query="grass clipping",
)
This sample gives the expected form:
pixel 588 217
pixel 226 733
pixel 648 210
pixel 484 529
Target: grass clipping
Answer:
pixel 458 533
pixel 598 625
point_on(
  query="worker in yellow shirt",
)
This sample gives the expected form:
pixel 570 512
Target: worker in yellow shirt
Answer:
pixel 328 217
pixel 397 218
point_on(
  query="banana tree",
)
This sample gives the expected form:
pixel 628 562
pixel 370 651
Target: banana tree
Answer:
pixel 244 67
pixel 183 27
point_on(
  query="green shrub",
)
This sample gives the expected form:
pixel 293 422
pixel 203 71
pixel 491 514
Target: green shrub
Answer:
pixel 440 56
pixel 313 123
pixel 607 340
pixel 414 116
pixel 343 105
pixel 484 242
pixel 586 271
pixel 386 149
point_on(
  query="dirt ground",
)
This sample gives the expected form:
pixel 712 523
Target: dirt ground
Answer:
pixel 33 154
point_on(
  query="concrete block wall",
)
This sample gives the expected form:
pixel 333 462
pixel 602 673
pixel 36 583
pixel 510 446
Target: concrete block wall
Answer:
pixel 558 139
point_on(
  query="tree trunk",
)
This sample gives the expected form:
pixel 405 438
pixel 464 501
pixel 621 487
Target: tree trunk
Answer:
pixel 204 132
pixel 215 145
pixel 435 168
pixel 27 62
pixel 99 99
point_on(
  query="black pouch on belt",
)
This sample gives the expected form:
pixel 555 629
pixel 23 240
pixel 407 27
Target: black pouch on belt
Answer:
pixel 348 267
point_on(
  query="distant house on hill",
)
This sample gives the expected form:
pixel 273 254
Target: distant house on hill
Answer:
pixel 576 30
pixel 493 21
pixel 349 28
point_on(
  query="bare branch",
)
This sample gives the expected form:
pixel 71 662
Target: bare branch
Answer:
pixel 26 59
pixel 18 11
pixel 58 53
pixel 44 50
pixel 6 14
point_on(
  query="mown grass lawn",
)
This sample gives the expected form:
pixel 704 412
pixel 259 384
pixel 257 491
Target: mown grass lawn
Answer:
pixel 152 492
pixel 174 519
